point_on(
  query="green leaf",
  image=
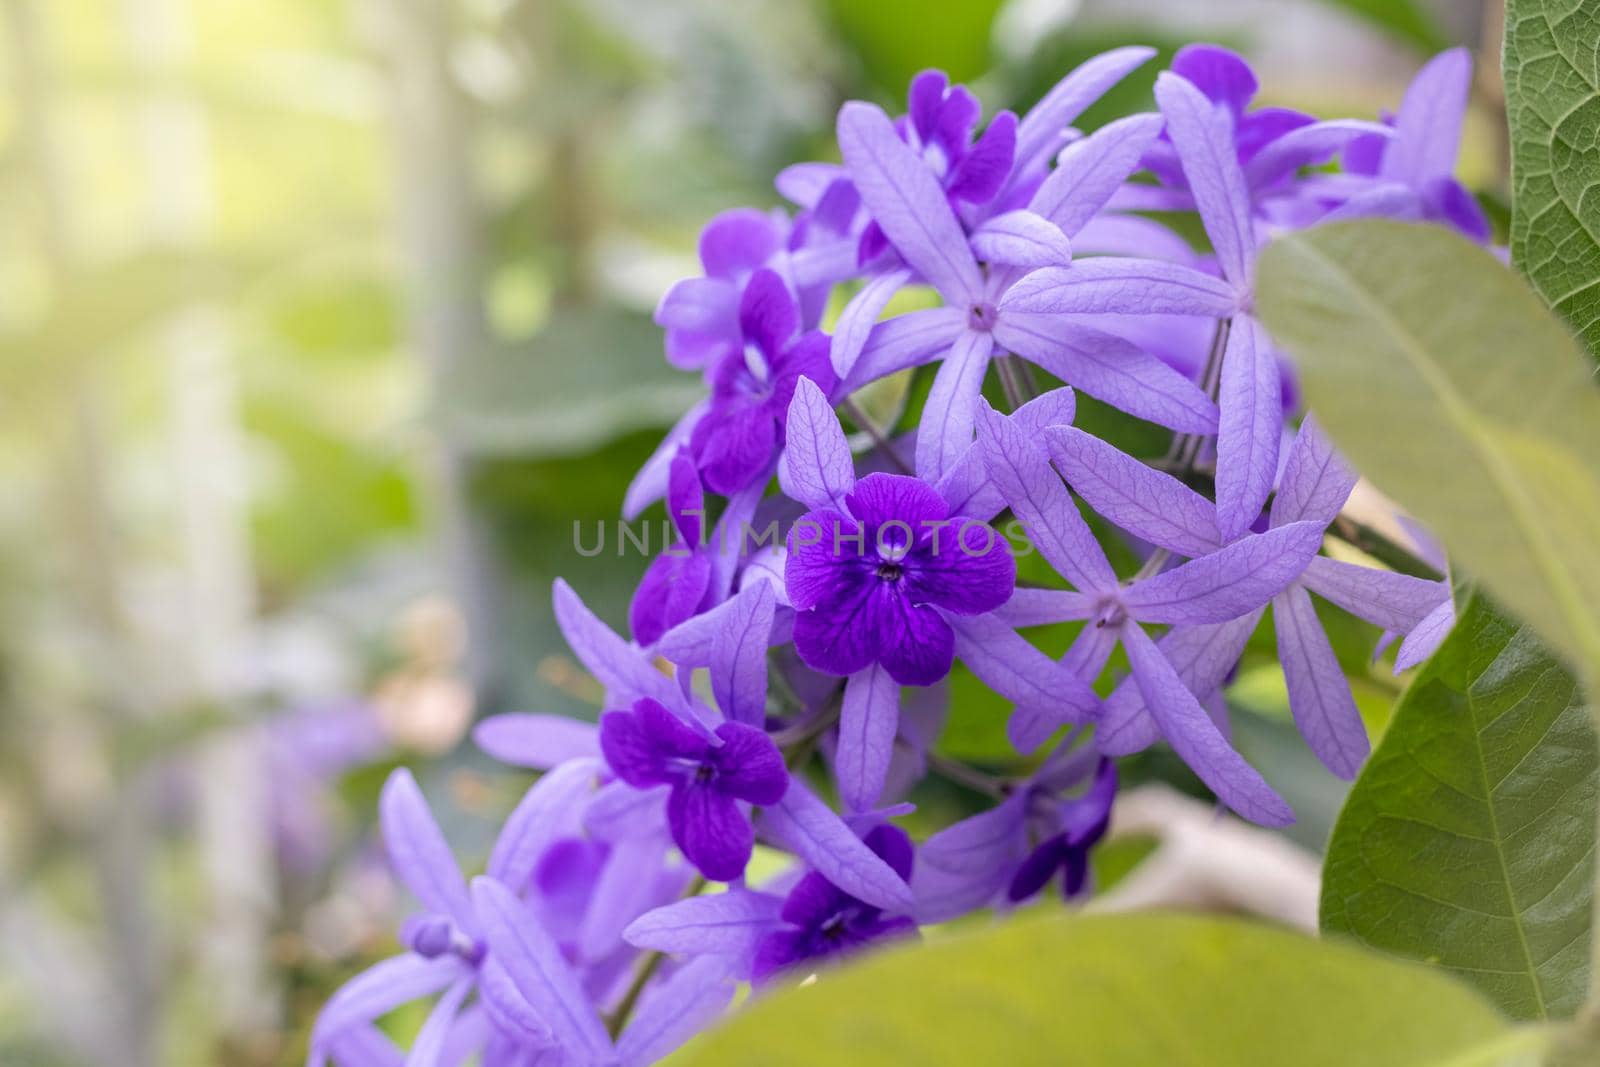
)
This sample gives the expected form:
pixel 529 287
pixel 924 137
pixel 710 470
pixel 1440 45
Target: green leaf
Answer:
pixel 1552 79
pixel 1468 839
pixel 1402 19
pixel 1126 990
pixel 952 35
pixel 1449 384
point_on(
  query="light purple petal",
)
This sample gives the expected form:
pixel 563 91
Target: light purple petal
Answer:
pixel 1384 598
pixel 1022 239
pixel 625 890
pixel 1426 637
pixel 1228 583
pixel 1190 731
pixel 868 720
pixel 1251 399
pixel 650 484
pixel 702 305
pixel 428 1048
pixel 810 829
pixel 966 486
pixel 419 854
pixel 361 1046
pixel 1319 695
pixel 1016 670
pixel 1020 470
pixel 1204 139
pixel 1132 235
pixel 1316 143
pixel 859 316
pixel 1031 725
pixel 1041 607
pixel 946 429
pixel 817 469
pixel 545 813
pixel 907 203
pixel 907 340
pixel 1202 656
pixel 619 666
pixel 1142 500
pixel 1316 481
pixel 674 1010
pixel 539 971
pixel 804 183
pixel 1110 367
pixel 963 866
pixel 1428 126
pixel 1042 128
pixel 619 810
pixel 739 656
pixel 691 642
pixel 383 987
pixel 508 1010
pixel 727 924
pixel 530 739
pixel 1115 285
pixel 1091 170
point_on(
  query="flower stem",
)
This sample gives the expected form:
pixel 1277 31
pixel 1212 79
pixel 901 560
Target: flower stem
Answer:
pixel 641 978
pixel 964 775
pixel 1016 380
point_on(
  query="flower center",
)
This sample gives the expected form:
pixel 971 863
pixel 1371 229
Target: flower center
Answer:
pixel 1109 613
pixel 756 364
pixel 833 929
pixel 981 317
pixel 890 571
pixel 704 773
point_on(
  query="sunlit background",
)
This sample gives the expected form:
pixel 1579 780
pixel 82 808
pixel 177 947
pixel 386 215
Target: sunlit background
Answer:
pixel 321 323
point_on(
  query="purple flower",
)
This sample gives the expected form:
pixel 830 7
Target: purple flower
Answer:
pixel 869 582
pixel 650 746
pixel 675 584
pixel 701 315
pixel 733 444
pixel 822 921
pixel 1075 826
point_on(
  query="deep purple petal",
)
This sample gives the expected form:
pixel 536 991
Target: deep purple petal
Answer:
pixel 768 314
pixel 1316 480
pixel 882 498
pixel 1233 581
pixel 1036 869
pixel 924 101
pixel 667 734
pixel 733 445
pixel 917 648
pixel 987 164
pixel 629 752
pixel 1203 137
pixel 1252 424
pixel 1142 500
pixel 686 500
pixel 846 633
pixel 1115 285
pixel 967 569
pixel 1222 75
pixel 946 428
pixel 868 719
pixel 1447 200
pixel 813 901
pixel 777 952
pixel 419 854
pixel 817 542
pixel 892 845
pixel 1319 695
pixel 1190 731
pixel 713 833
pixel 737 242
pixel 749 765
pixel 907 202
pixel 672 589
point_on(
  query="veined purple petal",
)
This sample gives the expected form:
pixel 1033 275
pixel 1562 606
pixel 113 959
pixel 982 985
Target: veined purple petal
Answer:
pixel 1190 731
pixel 726 924
pixel 1041 607
pixel 907 340
pixel 1114 285
pixel 1384 598
pixel 711 831
pixel 1016 670
pixel 1020 470
pixel 1319 695
pixel 817 469
pixel 428 1048
pixel 419 854
pixel 543 815
pixel 1202 656
pixel 539 971
pixel 1022 239
pixel 859 316
pixel 1316 143
pixel 618 666
pixel 868 720
pixel 987 164
pixel 1091 170
pixel 1233 581
pixel 739 657
pixel 383 987
pixel 1316 480
pixel 675 1009
pixel 946 429
pixel 812 831
pixel 529 739
pixel 1109 367
pixel 650 484
pixel 966 486
pixel 692 642
pixel 907 202
pixel 1428 126
pixel 1142 500
pixel 1425 638
pixel 1204 140
pixel 965 865
pixel 1040 132
pixel 1251 399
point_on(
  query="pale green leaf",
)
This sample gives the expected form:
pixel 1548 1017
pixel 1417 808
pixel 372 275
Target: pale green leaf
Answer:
pixel 1453 388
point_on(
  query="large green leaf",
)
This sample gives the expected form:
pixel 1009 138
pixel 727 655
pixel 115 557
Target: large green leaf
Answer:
pixel 897 38
pixel 1451 386
pixel 1552 79
pixel 1125 990
pixel 1468 840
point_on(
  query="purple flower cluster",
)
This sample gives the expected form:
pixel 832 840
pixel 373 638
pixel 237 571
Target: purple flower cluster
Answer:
pixel 754 662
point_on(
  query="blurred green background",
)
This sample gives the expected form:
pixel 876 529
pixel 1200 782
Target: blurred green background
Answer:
pixel 323 323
